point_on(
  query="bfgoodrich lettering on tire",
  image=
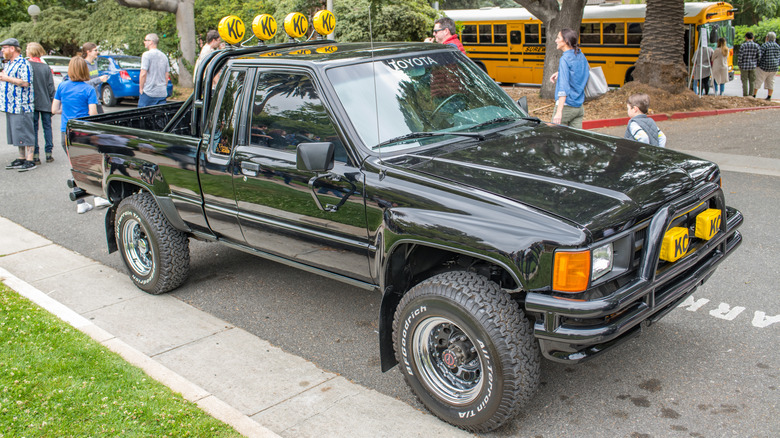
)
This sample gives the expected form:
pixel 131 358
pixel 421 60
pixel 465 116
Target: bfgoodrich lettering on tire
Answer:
pixel 466 350
pixel 157 255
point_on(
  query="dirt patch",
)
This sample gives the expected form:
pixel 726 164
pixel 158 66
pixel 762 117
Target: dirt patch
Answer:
pixel 613 104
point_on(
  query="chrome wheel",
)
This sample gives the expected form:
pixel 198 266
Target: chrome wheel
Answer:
pixel 137 249
pixel 448 361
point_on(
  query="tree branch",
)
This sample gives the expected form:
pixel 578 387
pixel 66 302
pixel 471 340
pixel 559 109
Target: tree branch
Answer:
pixel 153 5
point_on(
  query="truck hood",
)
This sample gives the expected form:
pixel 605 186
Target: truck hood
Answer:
pixel 593 180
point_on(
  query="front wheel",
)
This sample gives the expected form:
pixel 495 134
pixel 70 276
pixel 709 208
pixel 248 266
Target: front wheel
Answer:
pixel 156 254
pixel 107 94
pixel 466 350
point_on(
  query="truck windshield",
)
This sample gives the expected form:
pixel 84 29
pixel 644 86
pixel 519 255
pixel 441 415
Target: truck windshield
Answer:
pixel 437 92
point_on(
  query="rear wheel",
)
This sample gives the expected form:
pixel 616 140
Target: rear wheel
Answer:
pixel 156 254
pixel 107 94
pixel 466 350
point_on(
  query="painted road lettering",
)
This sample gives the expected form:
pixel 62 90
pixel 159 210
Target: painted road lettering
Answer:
pixel 727 312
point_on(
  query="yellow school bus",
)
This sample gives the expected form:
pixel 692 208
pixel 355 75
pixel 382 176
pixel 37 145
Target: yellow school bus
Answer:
pixel 508 43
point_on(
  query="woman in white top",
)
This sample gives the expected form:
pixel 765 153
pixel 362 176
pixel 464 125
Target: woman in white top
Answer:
pixel 720 66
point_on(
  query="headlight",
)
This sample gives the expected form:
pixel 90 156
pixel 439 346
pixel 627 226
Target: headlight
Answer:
pixel 574 270
pixel 602 261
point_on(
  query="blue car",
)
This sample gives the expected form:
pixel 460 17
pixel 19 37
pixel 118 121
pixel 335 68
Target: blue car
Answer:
pixel 123 72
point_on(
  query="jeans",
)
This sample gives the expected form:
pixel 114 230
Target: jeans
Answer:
pixel 718 88
pixel 46 122
pixel 144 100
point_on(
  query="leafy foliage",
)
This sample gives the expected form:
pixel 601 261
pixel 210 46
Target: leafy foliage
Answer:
pixel 759 31
pixel 752 11
pixel 114 28
pixel 57 29
pixel 395 20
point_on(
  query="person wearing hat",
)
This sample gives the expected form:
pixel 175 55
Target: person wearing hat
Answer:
pixel 17 101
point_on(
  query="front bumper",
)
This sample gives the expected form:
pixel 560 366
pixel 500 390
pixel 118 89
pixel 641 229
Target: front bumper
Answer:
pixel 572 331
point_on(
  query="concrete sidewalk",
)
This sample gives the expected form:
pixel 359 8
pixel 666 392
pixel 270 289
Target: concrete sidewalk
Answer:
pixel 233 375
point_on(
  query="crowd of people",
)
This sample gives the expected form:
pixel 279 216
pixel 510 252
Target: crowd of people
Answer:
pixel 29 99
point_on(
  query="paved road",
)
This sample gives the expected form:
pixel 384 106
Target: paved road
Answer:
pixel 710 369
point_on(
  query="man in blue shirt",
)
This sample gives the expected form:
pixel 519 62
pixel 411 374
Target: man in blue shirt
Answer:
pixel 17 101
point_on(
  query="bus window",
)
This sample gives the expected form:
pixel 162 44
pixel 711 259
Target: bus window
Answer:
pixel 590 33
pixel 516 37
pixel 485 34
pixel 532 34
pixel 469 34
pixel 544 34
pixel 634 34
pixel 613 33
pixel 499 34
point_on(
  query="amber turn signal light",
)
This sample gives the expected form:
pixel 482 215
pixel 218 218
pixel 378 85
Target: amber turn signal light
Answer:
pixel 571 271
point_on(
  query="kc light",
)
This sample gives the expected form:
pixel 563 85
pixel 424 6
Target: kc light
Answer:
pixel 602 261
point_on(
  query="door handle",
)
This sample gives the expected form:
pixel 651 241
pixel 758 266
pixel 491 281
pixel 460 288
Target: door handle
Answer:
pixel 249 168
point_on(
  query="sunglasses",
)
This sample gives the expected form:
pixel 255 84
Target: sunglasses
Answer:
pixel 437 30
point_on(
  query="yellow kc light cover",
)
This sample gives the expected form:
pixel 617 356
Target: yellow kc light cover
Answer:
pixel 264 27
pixel 231 29
pixel 324 22
pixel 296 24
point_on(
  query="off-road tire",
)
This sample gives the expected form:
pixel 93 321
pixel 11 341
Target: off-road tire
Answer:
pixel 464 304
pixel 156 254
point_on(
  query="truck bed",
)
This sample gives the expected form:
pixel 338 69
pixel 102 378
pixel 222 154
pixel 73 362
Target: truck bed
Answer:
pixel 154 118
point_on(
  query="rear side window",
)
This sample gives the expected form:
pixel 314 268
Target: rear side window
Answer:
pixel 226 122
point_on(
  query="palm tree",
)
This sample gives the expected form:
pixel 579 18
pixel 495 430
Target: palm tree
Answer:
pixel 660 62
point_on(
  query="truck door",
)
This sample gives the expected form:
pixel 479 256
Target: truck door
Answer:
pixel 277 211
pixel 222 132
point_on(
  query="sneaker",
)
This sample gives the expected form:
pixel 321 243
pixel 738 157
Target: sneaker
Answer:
pixel 83 207
pixel 101 202
pixel 37 161
pixel 49 159
pixel 28 165
pixel 15 164
pixel 769 98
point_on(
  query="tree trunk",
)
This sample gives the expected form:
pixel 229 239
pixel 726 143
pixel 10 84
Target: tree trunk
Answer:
pixel 554 19
pixel 660 62
pixel 185 26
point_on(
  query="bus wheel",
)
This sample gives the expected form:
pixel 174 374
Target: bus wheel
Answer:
pixel 481 66
pixel 630 74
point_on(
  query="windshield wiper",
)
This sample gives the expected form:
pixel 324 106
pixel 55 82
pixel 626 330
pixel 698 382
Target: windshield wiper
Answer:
pixel 413 135
pixel 505 119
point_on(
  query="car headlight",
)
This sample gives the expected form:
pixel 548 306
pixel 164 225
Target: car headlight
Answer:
pixel 574 270
pixel 602 259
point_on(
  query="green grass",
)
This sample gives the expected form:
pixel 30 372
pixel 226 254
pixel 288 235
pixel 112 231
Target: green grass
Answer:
pixel 57 382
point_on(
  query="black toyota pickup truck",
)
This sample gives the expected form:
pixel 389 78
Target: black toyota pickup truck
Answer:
pixel 495 239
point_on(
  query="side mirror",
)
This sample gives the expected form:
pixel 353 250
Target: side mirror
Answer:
pixel 315 157
pixel 523 103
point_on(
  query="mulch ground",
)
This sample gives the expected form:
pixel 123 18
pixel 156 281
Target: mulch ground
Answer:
pixel 612 105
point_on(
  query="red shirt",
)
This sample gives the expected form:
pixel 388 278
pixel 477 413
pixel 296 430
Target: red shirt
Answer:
pixel 453 39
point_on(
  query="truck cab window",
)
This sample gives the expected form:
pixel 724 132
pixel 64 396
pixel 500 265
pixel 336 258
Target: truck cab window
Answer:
pixel 287 111
pixel 226 121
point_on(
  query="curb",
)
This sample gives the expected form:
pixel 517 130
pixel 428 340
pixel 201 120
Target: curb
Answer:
pixel 606 123
pixel 190 391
